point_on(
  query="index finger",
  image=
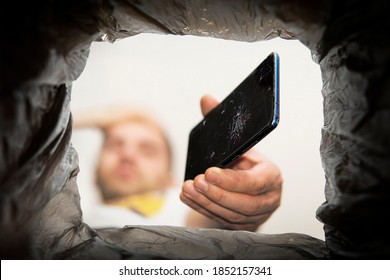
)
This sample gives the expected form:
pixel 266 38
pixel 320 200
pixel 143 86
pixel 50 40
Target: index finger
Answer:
pixel 242 181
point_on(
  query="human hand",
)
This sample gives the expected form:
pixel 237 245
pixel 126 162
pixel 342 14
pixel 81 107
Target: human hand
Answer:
pixel 240 197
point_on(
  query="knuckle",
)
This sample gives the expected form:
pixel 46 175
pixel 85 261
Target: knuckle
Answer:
pixel 250 209
pixel 232 180
pixel 219 196
pixel 276 202
pixel 279 181
pixel 235 218
pixel 256 185
pixel 206 203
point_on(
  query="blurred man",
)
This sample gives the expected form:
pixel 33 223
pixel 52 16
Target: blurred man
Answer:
pixel 134 173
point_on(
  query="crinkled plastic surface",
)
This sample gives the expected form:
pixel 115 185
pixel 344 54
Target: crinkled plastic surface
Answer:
pixel 40 213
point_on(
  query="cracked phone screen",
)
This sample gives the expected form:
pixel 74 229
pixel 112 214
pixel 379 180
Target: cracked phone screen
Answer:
pixel 241 120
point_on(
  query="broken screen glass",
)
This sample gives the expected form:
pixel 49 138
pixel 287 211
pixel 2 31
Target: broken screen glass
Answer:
pixel 246 116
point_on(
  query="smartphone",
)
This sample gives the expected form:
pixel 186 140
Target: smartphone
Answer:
pixel 242 119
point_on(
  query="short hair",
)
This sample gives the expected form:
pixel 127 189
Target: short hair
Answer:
pixel 141 117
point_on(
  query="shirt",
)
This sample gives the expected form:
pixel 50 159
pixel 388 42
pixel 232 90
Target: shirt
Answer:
pixel 172 213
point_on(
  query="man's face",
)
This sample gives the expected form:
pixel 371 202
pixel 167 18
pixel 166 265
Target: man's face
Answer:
pixel 134 160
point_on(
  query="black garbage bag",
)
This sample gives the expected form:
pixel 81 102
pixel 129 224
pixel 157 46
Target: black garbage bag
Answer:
pixel 45 47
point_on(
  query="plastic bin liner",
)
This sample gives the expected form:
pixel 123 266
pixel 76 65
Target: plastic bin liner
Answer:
pixel 45 47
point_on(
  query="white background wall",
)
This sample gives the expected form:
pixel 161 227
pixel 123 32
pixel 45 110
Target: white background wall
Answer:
pixel 169 74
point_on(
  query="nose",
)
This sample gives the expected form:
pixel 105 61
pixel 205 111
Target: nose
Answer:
pixel 128 153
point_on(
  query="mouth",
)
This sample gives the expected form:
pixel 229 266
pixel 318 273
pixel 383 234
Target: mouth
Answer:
pixel 125 172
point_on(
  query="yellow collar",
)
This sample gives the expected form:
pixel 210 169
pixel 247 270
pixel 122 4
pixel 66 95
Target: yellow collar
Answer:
pixel 146 205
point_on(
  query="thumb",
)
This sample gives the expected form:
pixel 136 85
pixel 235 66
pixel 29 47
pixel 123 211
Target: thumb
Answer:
pixel 207 103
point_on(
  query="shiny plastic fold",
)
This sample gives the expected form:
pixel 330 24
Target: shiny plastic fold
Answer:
pixel 46 48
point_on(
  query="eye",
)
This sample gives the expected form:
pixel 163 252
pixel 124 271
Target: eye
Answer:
pixel 113 144
pixel 149 149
